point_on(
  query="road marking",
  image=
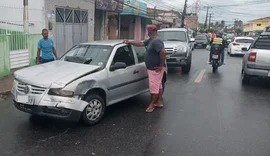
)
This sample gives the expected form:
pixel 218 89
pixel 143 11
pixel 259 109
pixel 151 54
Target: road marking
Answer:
pixel 200 76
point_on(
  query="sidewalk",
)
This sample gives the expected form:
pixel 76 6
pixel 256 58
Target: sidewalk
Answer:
pixel 6 84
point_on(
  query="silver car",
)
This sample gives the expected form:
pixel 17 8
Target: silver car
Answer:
pixel 256 62
pixel 85 80
pixel 178 46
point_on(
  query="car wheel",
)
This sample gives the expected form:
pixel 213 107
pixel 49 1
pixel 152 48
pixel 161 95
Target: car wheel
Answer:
pixel 95 109
pixel 186 68
pixel 245 78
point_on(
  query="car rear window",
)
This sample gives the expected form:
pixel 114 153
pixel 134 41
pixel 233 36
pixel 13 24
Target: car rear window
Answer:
pixel 200 37
pixel 244 40
pixel 263 42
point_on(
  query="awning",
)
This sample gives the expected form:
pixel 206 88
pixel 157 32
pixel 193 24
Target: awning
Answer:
pixel 258 31
pixel 149 21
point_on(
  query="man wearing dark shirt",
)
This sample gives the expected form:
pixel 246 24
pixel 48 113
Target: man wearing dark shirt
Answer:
pixel 155 63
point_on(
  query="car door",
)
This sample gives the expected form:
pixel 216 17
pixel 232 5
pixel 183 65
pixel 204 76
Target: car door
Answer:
pixel 122 82
pixel 140 52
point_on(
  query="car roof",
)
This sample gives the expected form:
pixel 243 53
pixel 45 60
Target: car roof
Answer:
pixel 173 29
pixel 244 38
pixel 103 42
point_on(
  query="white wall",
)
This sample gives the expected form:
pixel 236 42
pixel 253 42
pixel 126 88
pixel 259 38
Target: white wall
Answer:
pixel 11 15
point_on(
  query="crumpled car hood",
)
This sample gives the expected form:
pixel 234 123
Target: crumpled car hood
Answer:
pixel 55 74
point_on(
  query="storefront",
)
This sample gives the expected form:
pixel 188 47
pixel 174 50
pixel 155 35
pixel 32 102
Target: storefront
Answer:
pixel 132 26
pixel 107 19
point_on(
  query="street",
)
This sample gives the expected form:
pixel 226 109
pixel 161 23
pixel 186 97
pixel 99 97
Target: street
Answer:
pixel 204 114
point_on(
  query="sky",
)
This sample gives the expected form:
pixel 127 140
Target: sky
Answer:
pixel 227 10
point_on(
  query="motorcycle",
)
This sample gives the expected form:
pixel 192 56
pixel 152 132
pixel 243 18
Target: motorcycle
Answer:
pixel 216 60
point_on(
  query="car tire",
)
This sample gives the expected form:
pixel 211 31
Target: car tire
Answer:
pixel 97 109
pixel 186 68
pixel 245 78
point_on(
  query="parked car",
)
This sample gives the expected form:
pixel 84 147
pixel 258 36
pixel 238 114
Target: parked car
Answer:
pixel 201 41
pixel 235 47
pixel 178 46
pixel 256 62
pixel 86 79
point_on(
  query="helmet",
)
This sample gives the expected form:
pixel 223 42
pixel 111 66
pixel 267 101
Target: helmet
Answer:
pixel 219 34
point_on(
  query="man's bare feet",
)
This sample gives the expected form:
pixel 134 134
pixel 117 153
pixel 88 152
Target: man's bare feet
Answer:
pixel 159 105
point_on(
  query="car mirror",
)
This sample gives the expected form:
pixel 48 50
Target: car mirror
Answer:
pixel 192 40
pixel 244 49
pixel 118 65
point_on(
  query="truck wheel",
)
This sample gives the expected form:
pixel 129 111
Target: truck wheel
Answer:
pixel 186 68
pixel 95 109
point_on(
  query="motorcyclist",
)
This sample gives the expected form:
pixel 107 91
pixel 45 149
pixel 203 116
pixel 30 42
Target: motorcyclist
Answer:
pixel 220 43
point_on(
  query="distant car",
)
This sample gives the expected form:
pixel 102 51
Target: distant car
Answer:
pixel 235 47
pixel 86 79
pixel 178 46
pixel 256 62
pixel 201 41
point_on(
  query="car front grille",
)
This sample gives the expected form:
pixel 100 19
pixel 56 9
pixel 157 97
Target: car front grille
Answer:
pixel 21 87
pixel 169 50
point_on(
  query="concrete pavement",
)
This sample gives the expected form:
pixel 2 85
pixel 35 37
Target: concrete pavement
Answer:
pixel 205 114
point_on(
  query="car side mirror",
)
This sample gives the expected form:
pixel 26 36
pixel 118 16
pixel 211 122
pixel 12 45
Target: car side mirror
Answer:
pixel 244 49
pixel 192 40
pixel 118 65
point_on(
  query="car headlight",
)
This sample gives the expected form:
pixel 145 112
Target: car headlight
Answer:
pixel 60 92
pixel 181 49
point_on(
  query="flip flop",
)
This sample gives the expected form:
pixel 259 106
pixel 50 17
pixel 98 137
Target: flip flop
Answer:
pixel 150 109
pixel 158 106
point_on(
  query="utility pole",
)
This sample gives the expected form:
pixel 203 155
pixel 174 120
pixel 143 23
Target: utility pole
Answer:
pixel 210 17
pixel 155 10
pixel 184 15
pixel 206 18
pixel 25 16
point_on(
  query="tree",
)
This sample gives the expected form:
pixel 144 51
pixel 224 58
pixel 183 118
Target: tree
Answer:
pixel 222 23
pixel 239 30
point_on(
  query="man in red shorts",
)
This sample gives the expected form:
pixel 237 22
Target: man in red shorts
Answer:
pixel 155 63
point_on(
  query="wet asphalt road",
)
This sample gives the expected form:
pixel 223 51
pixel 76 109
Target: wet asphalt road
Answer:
pixel 214 116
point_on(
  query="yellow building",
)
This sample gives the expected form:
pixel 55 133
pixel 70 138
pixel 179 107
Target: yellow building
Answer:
pixel 256 26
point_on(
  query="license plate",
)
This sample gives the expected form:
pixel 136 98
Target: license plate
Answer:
pixel 26 99
pixel 199 44
pixel 215 56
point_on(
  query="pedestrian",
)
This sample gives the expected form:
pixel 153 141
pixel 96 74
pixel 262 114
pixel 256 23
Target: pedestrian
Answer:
pixel 155 63
pixel 46 47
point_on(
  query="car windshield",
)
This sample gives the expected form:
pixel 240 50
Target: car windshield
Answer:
pixel 244 40
pixel 201 37
pixel 88 54
pixel 172 35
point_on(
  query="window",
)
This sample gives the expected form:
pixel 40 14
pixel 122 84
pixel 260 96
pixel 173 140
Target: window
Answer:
pixel 124 54
pixel 259 24
pixel 263 42
pixel 201 37
pixel 173 35
pixel 244 40
pixel 98 54
pixel 140 51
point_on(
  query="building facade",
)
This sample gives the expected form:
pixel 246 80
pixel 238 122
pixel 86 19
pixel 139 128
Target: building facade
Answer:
pixel 107 19
pixel 256 26
pixel 132 17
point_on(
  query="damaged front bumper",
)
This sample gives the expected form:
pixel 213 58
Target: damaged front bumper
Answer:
pixel 66 108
